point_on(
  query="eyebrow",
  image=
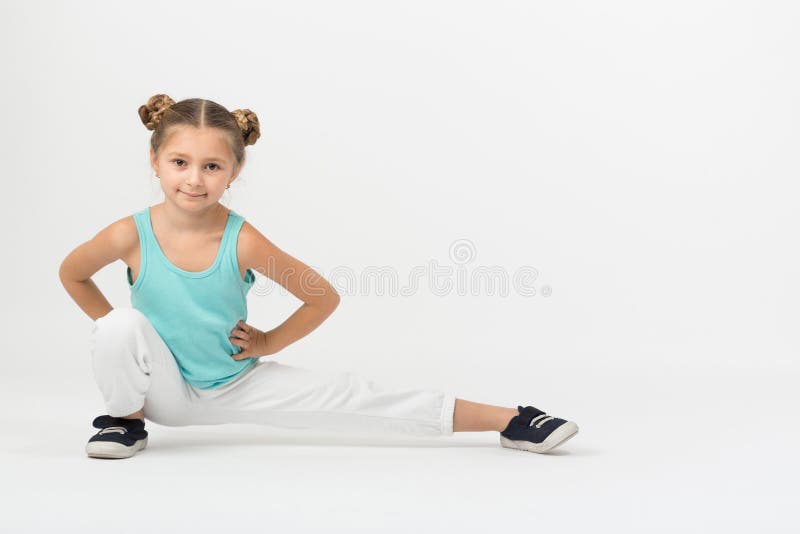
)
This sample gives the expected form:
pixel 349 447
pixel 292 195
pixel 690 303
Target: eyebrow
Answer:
pixel 212 158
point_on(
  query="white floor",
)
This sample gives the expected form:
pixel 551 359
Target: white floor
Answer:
pixel 709 452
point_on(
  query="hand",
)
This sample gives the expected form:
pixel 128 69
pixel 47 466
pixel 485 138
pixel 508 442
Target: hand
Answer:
pixel 253 341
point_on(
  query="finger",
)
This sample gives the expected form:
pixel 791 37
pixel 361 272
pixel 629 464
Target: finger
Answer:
pixel 241 335
pixel 241 332
pixel 244 343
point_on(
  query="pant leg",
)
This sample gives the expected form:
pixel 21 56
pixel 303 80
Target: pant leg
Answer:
pixel 272 393
pixel 135 369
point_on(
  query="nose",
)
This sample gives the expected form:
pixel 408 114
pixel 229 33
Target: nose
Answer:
pixel 193 178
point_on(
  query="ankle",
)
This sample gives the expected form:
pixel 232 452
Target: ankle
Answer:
pixel 135 415
pixel 506 419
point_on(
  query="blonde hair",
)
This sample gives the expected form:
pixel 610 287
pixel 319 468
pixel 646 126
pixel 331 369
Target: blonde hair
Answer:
pixel 161 114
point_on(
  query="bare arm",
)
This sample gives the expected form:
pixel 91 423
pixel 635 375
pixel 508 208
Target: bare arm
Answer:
pixel 109 245
pixel 89 297
pixel 318 296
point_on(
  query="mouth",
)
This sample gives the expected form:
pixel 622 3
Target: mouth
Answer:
pixel 191 195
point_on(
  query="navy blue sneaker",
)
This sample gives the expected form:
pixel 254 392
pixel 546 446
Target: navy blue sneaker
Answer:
pixel 118 437
pixel 535 431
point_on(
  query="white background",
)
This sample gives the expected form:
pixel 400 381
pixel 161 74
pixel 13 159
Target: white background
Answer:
pixel 641 156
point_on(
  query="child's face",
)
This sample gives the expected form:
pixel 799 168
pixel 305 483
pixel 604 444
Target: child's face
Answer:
pixel 195 167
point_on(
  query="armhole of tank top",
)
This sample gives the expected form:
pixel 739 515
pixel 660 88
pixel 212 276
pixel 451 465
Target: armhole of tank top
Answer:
pixel 233 245
pixel 142 253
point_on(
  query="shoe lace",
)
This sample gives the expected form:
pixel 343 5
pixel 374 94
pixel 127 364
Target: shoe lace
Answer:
pixel 543 419
pixel 108 430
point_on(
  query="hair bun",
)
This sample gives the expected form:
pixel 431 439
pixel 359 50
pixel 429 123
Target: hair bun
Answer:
pixel 151 112
pixel 248 123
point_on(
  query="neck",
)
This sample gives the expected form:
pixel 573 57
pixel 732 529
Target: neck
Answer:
pixel 199 222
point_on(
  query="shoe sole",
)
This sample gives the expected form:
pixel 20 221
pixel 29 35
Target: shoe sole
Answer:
pixel 111 449
pixel 556 438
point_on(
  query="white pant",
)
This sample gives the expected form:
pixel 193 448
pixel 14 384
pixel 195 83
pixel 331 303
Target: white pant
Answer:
pixel 134 368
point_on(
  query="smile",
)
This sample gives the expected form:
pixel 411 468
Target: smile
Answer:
pixel 191 195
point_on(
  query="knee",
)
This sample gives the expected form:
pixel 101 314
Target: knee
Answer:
pixel 118 324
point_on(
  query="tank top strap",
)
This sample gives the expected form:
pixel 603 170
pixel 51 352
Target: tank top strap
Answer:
pixel 230 241
pixel 146 240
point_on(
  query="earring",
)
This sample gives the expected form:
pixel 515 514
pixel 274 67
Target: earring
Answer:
pixel 228 187
pixel 157 177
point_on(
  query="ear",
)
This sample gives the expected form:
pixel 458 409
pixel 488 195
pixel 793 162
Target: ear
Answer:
pixel 236 172
pixel 153 160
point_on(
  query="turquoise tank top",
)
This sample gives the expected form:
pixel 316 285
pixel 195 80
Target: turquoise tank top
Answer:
pixel 194 312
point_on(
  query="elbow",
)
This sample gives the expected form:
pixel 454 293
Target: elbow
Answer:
pixel 326 299
pixel 64 273
pixel 333 300
pixel 61 271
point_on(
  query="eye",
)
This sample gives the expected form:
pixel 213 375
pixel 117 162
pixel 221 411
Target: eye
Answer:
pixel 182 161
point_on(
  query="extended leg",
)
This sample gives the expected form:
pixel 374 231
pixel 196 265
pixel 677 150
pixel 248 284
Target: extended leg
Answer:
pixel 289 396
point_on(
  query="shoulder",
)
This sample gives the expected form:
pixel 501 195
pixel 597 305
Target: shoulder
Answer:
pixel 256 251
pixel 120 236
pixel 252 247
pixel 125 233
pixel 111 243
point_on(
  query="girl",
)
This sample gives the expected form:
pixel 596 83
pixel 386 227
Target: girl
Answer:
pixel 184 354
